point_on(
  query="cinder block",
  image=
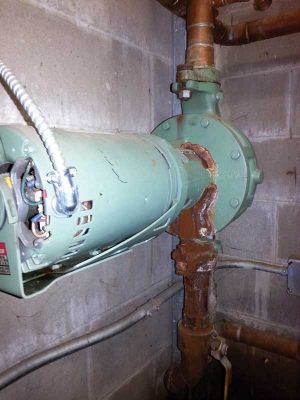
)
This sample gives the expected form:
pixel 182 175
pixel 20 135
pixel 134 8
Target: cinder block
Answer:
pixel 146 384
pixel 251 102
pixel 65 379
pixel 162 264
pixel 252 235
pixel 235 290
pixel 279 161
pixel 144 24
pixel 79 80
pixel 259 56
pixel 114 361
pixel 288 231
pixel 295 103
pixel 160 91
pixel 71 305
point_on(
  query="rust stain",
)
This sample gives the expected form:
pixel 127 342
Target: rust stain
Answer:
pixel 153 163
pixel 197 222
pixel 203 154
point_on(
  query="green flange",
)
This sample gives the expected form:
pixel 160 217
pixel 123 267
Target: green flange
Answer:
pixel 236 174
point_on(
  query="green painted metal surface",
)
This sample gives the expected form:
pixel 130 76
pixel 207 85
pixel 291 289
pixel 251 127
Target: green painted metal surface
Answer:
pixel 131 188
pixel 236 175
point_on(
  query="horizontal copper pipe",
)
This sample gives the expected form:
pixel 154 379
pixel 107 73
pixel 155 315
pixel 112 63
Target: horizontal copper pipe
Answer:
pixel 253 31
pixel 265 340
pixel 178 7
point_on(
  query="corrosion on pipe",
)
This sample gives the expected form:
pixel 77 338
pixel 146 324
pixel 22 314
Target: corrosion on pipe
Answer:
pixel 261 29
pixel 200 33
pixel 266 340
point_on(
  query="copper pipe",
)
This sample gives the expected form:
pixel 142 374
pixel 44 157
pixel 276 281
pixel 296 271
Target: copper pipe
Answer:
pixel 265 340
pixel 253 31
pixel 200 33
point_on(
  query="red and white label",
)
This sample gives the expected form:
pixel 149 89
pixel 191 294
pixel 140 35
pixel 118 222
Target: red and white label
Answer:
pixel 4 264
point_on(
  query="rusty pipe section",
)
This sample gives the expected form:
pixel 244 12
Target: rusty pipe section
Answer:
pixel 200 33
pixel 194 261
pixel 265 340
pixel 261 29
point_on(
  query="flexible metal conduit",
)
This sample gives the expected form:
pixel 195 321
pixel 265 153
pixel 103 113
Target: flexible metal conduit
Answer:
pixel 36 361
pixel 230 262
pixel 64 187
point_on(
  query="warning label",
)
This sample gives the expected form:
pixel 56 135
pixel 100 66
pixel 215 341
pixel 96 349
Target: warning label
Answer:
pixel 4 264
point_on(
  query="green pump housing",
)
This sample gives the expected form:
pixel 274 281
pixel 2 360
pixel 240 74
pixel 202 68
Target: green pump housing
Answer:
pixel 131 188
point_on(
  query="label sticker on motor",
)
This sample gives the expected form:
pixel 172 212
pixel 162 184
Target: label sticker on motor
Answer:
pixel 4 264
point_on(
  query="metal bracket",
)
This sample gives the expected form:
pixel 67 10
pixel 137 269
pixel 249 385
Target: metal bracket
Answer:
pixel 219 352
pixel 294 277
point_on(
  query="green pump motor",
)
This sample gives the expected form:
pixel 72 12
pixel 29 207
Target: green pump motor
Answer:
pixel 127 188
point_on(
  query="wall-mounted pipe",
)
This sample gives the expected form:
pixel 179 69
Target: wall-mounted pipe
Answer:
pixel 231 262
pixel 37 361
pixel 178 7
pixel 283 345
pixel 261 29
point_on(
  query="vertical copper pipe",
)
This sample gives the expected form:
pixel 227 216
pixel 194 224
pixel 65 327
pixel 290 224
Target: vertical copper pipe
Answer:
pixel 200 33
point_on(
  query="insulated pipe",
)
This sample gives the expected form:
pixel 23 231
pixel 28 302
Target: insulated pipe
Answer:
pixel 66 192
pixel 265 340
pixel 36 361
pixel 253 31
pixel 200 33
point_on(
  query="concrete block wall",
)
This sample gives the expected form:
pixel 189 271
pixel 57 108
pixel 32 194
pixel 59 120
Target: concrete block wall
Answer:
pixel 104 66
pixel 261 89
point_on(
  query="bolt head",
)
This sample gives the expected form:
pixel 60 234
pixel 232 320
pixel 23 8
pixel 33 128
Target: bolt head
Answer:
pixel 204 123
pixel 184 94
pixel 72 171
pixel 166 126
pixel 234 203
pixel 235 154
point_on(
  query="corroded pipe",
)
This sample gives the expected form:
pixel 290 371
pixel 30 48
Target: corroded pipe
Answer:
pixel 253 31
pixel 265 340
pixel 200 33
